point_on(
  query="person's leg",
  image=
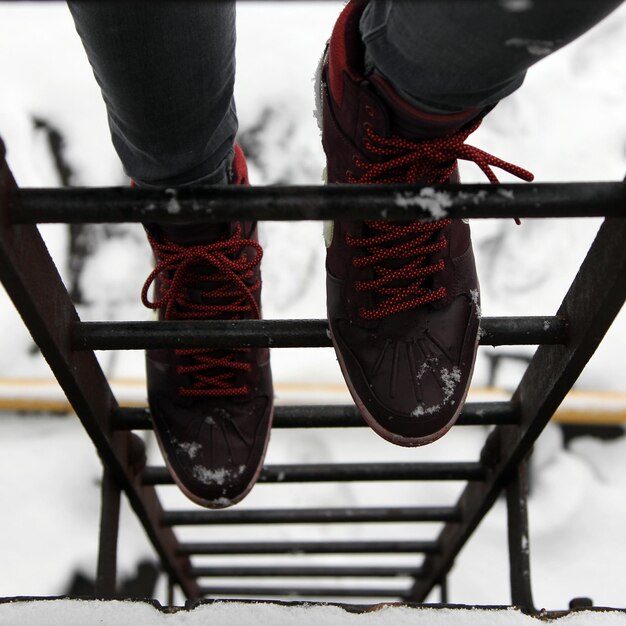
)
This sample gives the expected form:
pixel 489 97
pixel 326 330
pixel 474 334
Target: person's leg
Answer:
pixel 459 54
pixel 166 70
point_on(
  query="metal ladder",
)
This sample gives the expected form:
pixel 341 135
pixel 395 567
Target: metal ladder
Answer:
pixel 566 342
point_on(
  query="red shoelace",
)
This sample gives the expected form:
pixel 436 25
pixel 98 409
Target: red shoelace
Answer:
pixel 215 280
pixel 429 161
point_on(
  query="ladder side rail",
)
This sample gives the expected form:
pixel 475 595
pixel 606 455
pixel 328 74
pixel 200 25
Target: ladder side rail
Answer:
pixel 518 538
pixel 591 304
pixel 32 281
pixel 106 571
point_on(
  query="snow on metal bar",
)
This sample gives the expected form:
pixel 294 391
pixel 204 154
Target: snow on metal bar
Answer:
pixel 178 334
pixel 308 202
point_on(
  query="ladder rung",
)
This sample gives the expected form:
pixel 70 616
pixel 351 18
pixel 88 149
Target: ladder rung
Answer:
pixel 312 516
pixel 347 472
pixel 316 202
pixel 292 591
pixel 309 547
pixel 176 334
pixel 335 416
pixel 370 571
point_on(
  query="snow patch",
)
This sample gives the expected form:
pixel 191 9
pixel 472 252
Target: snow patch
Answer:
pixel 317 81
pixel 435 202
pixel 475 294
pixel 450 379
pixel 173 206
pixel 190 448
pixel 424 367
pixel 217 476
pixel 474 198
pixel 140 613
pixel 509 194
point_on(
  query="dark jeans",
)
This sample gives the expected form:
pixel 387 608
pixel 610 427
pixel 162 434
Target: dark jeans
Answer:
pixel 167 68
pixel 458 54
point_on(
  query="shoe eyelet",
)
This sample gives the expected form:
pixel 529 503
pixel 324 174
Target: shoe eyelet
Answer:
pixel 367 126
pixel 349 173
pixel 369 110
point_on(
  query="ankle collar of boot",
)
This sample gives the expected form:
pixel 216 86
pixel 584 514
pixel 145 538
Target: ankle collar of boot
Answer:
pixel 410 121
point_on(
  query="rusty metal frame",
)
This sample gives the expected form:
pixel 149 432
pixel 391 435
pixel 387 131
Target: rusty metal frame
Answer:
pixel 567 341
pixel 592 302
pixel 30 278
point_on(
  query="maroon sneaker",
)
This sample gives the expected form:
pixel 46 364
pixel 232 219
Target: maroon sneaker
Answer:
pixel 212 409
pixel 403 297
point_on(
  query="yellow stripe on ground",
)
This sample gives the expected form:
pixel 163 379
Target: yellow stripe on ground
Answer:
pixel 43 395
pixel 34 406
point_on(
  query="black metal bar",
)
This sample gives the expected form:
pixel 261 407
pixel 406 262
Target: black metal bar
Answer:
pixel 170 591
pixel 30 278
pixel 126 418
pixel 106 573
pixel 305 592
pixel 344 202
pixel 519 547
pixel 347 472
pixel 523 331
pixel 177 334
pixel 309 547
pixel 336 416
pixel 443 589
pixel 312 516
pixel 591 304
pixel 312 571
pixel 347 416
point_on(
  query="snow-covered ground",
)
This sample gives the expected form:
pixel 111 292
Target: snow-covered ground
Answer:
pixel 566 123
pixel 79 612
